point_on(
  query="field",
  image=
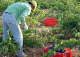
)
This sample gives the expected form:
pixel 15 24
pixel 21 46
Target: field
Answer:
pixel 65 34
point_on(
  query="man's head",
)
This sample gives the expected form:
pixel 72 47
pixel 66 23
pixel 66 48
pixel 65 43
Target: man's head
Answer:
pixel 33 5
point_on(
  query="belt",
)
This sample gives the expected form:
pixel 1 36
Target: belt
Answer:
pixel 8 13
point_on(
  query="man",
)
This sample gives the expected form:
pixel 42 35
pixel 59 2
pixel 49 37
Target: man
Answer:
pixel 12 17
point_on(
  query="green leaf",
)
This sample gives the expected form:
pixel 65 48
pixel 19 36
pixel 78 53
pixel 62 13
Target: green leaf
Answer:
pixel 54 53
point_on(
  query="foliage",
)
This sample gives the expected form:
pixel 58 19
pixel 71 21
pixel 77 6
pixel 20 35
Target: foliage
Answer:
pixel 31 20
pixel 68 20
pixel 4 4
pixel 68 24
pixel 67 30
pixel 32 39
pixel 9 46
pixel 1 29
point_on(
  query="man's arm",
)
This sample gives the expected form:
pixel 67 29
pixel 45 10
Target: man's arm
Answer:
pixel 25 13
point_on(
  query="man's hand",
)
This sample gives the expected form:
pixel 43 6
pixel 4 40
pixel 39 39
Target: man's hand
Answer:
pixel 25 27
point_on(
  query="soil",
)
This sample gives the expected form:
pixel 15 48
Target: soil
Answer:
pixel 33 52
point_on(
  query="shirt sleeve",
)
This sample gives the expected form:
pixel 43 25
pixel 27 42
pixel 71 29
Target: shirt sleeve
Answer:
pixel 24 14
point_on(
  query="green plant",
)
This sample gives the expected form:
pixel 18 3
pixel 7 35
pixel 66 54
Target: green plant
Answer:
pixel 1 30
pixel 9 46
pixel 31 20
pixel 4 4
pixel 68 23
pixel 32 39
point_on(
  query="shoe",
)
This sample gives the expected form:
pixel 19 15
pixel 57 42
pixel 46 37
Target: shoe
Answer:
pixel 23 56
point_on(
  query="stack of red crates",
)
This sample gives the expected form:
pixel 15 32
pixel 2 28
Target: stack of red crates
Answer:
pixel 68 53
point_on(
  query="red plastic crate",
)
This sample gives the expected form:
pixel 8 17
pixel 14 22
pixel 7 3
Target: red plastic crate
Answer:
pixel 68 53
pixel 51 22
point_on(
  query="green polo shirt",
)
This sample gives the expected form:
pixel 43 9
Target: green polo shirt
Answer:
pixel 20 10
